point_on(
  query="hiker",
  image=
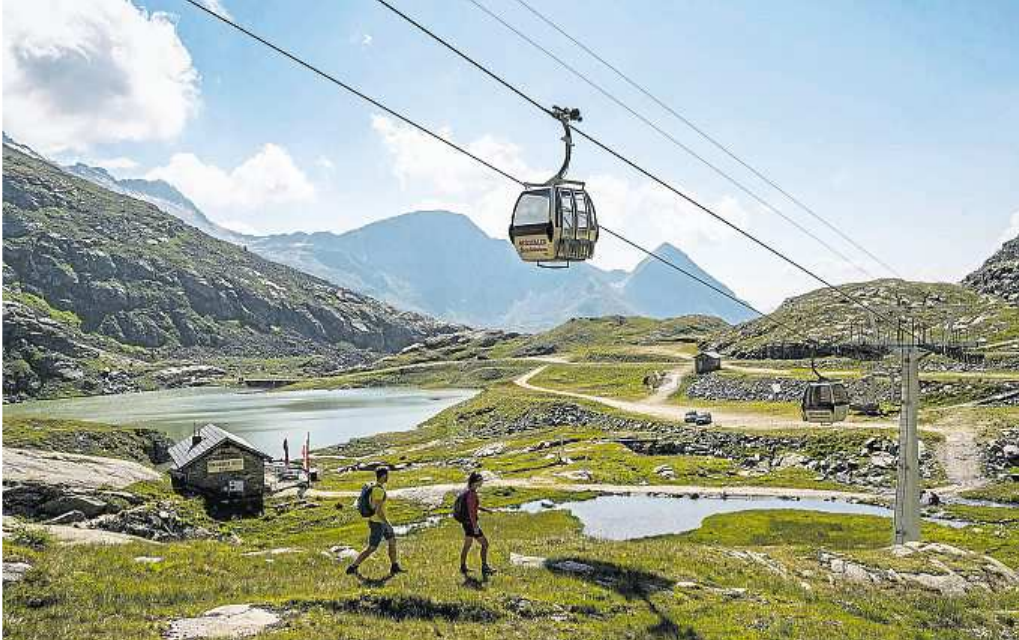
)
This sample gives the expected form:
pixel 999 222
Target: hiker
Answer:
pixel 465 511
pixel 371 503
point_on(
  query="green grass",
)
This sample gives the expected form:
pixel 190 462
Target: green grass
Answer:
pixel 623 381
pixel 101 592
pixel 78 436
pixel 1007 491
pixel 612 331
pixel 44 308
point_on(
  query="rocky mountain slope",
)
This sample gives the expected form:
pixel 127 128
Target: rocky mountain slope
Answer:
pixel 999 275
pixel 92 278
pixel 162 194
pixel 948 311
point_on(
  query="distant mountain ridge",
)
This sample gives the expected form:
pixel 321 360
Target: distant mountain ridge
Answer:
pixel 441 264
pixel 158 192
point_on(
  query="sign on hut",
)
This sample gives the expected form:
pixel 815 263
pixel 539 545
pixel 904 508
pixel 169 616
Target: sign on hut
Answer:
pixel 707 361
pixel 225 469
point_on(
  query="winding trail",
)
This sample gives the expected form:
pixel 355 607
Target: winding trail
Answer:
pixel 656 407
pixel 959 454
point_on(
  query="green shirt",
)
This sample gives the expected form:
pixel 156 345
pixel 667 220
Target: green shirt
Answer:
pixel 378 500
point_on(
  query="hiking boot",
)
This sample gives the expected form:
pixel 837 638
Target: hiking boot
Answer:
pixel 352 570
pixel 488 571
pixel 395 568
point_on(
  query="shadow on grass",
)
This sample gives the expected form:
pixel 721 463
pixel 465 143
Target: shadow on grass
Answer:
pixel 404 607
pixel 368 581
pixel 632 584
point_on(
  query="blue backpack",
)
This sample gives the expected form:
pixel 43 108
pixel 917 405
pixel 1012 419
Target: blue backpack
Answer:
pixel 364 501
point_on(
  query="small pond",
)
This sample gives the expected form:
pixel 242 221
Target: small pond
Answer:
pixel 627 517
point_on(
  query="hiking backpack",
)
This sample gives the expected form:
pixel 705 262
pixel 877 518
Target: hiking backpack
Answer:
pixel 364 501
pixel 460 507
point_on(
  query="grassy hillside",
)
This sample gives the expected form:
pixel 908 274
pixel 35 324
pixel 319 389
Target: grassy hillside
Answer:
pixel 609 331
pixel 823 315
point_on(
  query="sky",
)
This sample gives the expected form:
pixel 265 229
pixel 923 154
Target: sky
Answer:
pixel 898 122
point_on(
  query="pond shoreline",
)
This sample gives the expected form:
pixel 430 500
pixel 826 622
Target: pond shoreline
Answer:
pixel 331 417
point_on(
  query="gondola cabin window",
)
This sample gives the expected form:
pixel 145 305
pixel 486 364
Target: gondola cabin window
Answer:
pixel 581 213
pixel 532 208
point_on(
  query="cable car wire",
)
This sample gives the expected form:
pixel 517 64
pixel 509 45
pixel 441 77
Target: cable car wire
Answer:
pixel 456 147
pixel 668 136
pixel 619 156
pixel 704 134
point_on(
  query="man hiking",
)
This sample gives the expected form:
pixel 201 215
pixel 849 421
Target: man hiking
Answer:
pixel 372 505
pixel 465 510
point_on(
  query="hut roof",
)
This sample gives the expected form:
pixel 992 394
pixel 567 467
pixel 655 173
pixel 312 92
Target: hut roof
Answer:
pixel 710 354
pixel 186 451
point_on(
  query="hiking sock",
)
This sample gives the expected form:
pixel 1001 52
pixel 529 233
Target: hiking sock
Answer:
pixel 487 570
pixel 395 568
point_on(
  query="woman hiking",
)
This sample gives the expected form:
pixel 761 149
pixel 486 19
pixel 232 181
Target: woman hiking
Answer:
pixel 466 509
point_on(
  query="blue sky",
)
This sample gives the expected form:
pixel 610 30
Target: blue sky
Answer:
pixel 897 121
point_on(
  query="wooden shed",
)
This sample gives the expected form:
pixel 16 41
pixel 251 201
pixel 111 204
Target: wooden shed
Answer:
pixel 707 361
pixel 224 468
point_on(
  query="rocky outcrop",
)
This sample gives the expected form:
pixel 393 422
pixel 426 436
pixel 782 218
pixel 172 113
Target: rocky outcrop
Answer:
pixel 999 275
pixel 942 568
pixel 1001 456
pixel 866 393
pixel 106 273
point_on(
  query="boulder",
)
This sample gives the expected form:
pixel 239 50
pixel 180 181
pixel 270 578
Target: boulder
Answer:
pixel 88 506
pixel 530 562
pixel 15 571
pixel 68 518
pixel 229 621
pixel 882 460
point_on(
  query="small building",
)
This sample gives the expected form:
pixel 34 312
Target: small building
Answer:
pixel 225 469
pixel 707 361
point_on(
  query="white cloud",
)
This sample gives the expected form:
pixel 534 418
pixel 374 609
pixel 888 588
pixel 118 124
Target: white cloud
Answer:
pixel 325 163
pixel 115 164
pixel 366 40
pixel 81 72
pixel 1012 231
pixel 217 7
pixel 267 179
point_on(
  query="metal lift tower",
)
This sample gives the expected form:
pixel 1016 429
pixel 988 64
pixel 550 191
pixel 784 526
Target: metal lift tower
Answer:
pixel 907 491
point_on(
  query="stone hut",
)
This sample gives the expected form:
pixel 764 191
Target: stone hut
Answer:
pixel 707 361
pixel 226 469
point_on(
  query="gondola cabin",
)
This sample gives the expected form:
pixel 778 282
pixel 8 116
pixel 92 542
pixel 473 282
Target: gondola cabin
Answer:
pixel 554 224
pixel 825 402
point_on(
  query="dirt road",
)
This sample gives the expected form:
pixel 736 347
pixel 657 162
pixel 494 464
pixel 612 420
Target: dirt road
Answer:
pixel 655 407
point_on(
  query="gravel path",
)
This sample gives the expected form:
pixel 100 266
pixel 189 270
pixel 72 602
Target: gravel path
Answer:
pixel 676 413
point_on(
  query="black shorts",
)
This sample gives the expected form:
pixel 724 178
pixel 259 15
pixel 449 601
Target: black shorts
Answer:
pixel 471 532
pixel 379 530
